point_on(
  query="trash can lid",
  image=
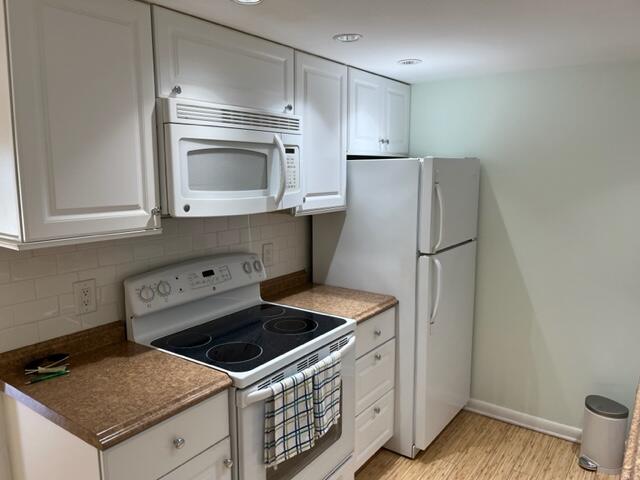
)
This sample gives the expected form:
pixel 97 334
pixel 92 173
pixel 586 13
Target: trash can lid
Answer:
pixel 606 407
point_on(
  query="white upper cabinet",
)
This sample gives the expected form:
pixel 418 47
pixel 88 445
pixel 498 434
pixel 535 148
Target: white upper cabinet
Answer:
pixel 321 99
pixel 378 115
pixel 208 62
pixel 83 97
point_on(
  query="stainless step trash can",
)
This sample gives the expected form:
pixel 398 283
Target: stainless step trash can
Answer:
pixel 603 435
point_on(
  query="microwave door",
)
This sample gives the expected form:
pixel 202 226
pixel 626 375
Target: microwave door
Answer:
pixel 223 171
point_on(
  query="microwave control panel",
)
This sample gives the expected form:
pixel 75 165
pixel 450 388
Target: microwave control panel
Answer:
pixel 293 169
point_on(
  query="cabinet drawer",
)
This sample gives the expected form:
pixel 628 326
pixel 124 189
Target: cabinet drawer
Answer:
pixel 374 428
pixel 375 331
pixel 375 374
pixel 153 453
pixel 212 464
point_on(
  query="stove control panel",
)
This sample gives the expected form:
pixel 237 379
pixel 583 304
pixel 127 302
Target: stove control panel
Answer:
pixel 189 281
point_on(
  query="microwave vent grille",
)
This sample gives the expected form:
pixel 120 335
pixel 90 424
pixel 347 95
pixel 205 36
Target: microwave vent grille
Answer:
pixel 229 117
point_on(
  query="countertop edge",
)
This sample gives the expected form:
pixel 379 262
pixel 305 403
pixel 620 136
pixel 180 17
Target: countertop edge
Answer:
pixel 105 440
pixel 376 310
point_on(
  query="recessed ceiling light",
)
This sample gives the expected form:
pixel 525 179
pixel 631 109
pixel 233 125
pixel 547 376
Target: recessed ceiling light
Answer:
pixel 247 2
pixel 409 61
pixel 347 37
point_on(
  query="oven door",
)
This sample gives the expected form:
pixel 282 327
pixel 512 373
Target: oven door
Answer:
pixel 214 171
pixel 321 461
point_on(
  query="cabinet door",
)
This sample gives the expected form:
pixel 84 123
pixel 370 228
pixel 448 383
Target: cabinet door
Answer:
pixel 397 103
pixel 321 99
pixel 366 113
pixel 212 464
pixel 216 64
pixel 84 113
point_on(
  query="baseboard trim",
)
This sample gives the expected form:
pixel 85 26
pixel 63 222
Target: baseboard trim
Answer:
pixel 525 420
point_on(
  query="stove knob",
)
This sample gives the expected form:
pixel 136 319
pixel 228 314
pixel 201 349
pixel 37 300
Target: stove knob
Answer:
pixel 257 265
pixel 146 294
pixel 246 266
pixel 164 288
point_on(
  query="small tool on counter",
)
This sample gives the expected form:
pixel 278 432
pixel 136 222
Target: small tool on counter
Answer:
pixel 48 367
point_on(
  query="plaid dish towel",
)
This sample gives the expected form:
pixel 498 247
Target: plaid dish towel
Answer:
pixel 327 390
pixel 288 418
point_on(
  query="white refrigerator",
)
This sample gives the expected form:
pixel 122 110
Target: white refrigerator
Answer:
pixel 410 230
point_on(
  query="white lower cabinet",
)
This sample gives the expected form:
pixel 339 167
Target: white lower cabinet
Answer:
pixel 192 445
pixel 213 464
pixel 375 383
pixel 374 428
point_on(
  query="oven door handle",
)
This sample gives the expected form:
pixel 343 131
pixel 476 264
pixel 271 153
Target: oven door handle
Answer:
pixel 283 169
pixel 247 399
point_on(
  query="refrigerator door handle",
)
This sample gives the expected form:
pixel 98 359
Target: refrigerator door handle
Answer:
pixel 436 304
pixel 440 200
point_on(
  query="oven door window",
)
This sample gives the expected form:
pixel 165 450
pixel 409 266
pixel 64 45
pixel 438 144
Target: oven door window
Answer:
pixel 227 170
pixel 290 468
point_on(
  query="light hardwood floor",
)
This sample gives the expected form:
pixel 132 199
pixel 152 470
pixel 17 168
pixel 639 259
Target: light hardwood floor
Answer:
pixel 475 447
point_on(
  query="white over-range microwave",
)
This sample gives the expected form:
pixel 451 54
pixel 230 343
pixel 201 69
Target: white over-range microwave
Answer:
pixel 219 160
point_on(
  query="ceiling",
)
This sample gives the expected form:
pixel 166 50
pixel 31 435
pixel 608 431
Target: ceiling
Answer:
pixel 453 37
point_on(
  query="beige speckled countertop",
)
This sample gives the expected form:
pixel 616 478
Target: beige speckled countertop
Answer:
pixel 342 302
pixel 115 390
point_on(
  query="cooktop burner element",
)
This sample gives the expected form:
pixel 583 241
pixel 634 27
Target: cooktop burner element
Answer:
pixel 267 310
pixel 234 352
pixel 290 325
pixel 244 340
pixel 188 340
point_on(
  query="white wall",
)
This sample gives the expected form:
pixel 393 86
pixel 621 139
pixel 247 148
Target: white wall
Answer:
pixel 36 299
pixel 558 281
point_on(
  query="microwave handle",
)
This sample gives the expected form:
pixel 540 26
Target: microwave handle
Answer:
pixel 283 169
pixel 245 400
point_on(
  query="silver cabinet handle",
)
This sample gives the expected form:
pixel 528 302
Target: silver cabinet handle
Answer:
pixel 179 442
pixel 177 90
pixel 376 410
pixel 378 356
pixel 377 332
pixel 288 108
pixel 228 463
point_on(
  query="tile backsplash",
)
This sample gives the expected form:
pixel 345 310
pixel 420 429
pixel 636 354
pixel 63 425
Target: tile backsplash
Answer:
pixel 36 287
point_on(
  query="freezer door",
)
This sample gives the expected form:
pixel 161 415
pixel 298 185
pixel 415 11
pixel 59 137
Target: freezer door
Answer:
pixel 446 291
pixel 448 202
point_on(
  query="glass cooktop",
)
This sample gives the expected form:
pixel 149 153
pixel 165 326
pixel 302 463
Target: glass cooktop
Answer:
pixel 249 338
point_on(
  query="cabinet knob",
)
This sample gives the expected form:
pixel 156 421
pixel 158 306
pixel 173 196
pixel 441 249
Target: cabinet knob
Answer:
pixel 386 141
pixel 179 442
pixel 378 356
pixel 381 141
pixel 288 108
pixel 377 332
pixel 376 410
pixel 177 90
pixel 228 463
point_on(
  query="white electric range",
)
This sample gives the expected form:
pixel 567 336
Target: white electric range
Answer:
pixel 209 311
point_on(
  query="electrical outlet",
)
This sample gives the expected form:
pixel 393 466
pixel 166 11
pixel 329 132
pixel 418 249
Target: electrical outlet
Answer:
pixel 267 254
pixel 84 293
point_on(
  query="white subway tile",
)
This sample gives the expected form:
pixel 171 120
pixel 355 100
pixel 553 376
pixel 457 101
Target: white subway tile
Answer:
pixel 33 311
pixel 17 292
pixel 207 240
pixel 111 294
pixel 67 304
pixel 105 314
pixel 5 273
pixel 58 326
pixel 18 337
pixel 41 252
pixel 115 255
pixel 34 267
pixel 170 226
pixel 239 221
pixel 6 254
pixel 180 244
pixel 215 224
pixel 190 225
pixel 6 318
pixel 102 275
pixel 229 237
pixel 55 285
pixel 76 261
pixel 148 250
